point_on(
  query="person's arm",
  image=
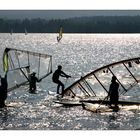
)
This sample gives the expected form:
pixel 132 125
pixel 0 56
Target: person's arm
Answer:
pixel 38 80
pixel 64 74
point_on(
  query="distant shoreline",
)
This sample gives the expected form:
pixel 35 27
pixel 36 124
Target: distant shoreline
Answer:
pixel 94 24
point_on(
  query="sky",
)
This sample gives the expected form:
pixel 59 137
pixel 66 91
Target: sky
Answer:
pixel 70 4
pixel 61 14
pixel 67 8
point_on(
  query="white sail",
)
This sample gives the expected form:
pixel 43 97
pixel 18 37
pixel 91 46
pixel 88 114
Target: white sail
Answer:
pixel 59 37
pixel 20 63
pixel 96 84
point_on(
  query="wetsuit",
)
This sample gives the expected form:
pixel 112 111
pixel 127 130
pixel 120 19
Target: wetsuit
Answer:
pixel 113 93
pixel 56 80
pixel 33 81
pixel 3 91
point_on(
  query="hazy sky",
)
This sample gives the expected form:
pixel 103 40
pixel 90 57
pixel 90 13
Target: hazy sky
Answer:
pixel 48 14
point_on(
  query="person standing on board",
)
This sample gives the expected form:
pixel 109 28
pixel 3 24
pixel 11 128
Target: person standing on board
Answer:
pixel 56 80
pixel 60 33
pixel 113 92
pixel 32 82
pixel 3 91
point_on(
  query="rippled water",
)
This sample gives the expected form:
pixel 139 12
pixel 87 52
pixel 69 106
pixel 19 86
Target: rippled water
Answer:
pixel 78 54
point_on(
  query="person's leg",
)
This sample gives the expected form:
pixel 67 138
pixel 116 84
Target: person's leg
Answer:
pixel 116 102
pixel 34 87
pixel 111 101
pixel 62 85
pixel 58 86
pixel 30 87
pixel 2 103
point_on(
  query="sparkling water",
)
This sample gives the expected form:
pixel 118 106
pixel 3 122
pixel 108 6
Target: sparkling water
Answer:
pixel 79 54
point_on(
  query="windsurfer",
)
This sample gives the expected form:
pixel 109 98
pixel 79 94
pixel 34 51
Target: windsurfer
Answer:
pixel 56 80
pixel 58 38
pixel 3 91
pixel 32 82
pixel 113 92
pixel 60 34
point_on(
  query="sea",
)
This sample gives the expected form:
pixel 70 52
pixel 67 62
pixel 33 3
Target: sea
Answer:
pixel 78 54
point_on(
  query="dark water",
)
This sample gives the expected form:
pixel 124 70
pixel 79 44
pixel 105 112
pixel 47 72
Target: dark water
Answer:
pixel 78 54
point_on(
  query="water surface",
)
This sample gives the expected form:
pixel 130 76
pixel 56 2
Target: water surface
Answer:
pixel 79 54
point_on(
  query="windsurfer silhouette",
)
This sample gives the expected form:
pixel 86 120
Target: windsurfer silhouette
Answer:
pixel 56 80
pixel 113 92
pixel 3 91
pixel 60 34
pixel 58 38
pixel 32 82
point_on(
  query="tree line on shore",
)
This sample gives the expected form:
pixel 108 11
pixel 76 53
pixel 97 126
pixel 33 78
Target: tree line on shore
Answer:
pixel 95 24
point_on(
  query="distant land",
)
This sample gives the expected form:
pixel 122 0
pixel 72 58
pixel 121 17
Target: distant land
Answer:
pixel 86 24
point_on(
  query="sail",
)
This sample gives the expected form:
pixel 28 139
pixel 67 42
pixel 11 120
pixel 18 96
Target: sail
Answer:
pixel 61 32
pixel 96 83
pixel 59 37
pixel 5 60
pixel 19 64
